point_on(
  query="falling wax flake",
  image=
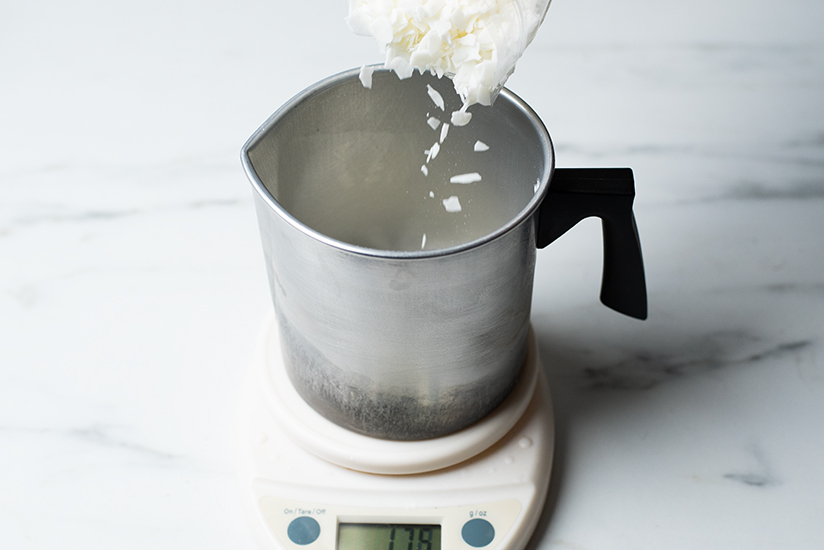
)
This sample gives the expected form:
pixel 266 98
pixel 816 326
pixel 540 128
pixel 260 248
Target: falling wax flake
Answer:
pixel 437 98
pixel 423 241
pixel 480 146
pixel 460 117
pixel 433 122
pixel 366 76
pixel 425 170
pixel 452 204
pixel 472 177
pixel 444 132
pixel 433 152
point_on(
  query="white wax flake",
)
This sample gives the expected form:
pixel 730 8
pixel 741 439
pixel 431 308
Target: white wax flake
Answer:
pixel 537 185
pixel 425 170
pixel 433 122
pixel 472 177
pixel 423 241
pixel 433 152
pixel 366 76
pixel 460 118
pixel 431 195
pixel 480 147
pixel 437 98
pixel 444 131
pixel 452 204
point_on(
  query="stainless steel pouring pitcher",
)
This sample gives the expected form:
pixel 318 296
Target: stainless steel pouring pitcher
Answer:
pixel 401 317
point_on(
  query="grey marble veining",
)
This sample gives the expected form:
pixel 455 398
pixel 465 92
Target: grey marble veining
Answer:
pixel 759 475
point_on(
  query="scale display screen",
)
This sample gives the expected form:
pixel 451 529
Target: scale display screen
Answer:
pixel 388 536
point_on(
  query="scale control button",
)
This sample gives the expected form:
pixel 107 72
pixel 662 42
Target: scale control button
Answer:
pixel 303 530
pixel 478 533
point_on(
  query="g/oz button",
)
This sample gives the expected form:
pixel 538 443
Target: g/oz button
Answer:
pixel 477 533
pixel 303 530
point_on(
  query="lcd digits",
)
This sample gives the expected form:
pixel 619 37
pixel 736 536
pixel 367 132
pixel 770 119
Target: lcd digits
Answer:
pixel 388 536
pixel 423 538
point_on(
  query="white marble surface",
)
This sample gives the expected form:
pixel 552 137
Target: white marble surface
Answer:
pixel 132 283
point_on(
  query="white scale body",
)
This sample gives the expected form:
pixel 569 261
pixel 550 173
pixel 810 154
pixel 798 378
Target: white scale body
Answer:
pixel 303 477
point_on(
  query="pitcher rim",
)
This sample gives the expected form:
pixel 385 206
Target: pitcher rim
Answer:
pixel 336 79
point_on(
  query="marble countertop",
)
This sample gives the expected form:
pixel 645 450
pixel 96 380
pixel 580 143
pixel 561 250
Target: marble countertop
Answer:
pixel 132 283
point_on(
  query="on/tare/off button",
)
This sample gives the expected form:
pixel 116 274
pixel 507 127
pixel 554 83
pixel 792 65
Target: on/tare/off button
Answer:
pixel 478 533
pixel 303 530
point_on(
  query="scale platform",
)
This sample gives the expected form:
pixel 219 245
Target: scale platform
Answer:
pixel 307 483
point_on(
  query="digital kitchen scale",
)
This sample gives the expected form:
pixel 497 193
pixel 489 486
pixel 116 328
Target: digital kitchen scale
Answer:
pixel 307 483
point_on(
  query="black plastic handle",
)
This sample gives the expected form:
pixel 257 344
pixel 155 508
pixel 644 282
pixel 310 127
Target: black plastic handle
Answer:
pixel 608 193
